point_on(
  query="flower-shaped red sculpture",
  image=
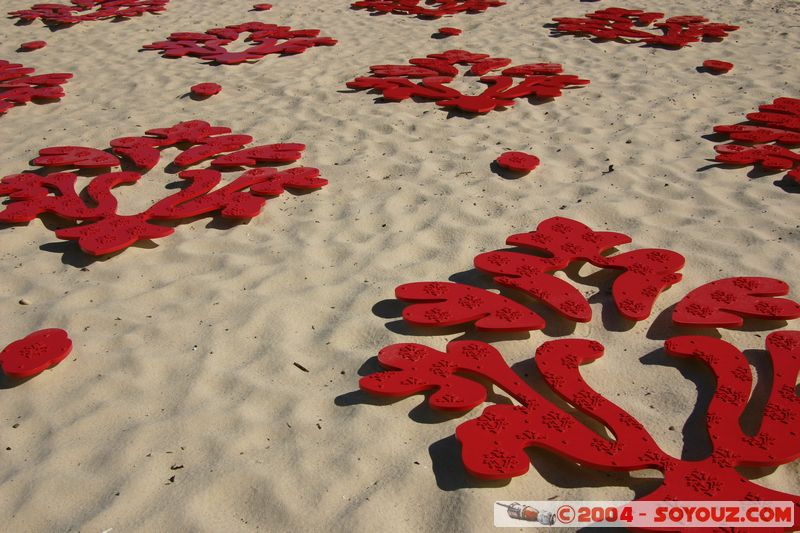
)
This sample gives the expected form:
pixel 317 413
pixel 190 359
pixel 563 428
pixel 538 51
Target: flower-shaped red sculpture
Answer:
pixel 628 25
pixel 89 10
pixel 266 38
pixel 518 161
pixel 35 353
pixel 104 231
pixel 493 444
pixel 537 80
pixel 646 273
pixel 768 136
pixel 426 8
pixel 18 86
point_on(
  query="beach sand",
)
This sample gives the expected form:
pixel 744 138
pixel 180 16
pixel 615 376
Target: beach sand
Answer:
pixel 180 408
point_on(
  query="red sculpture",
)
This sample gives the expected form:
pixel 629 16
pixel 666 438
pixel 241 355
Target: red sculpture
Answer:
pixel 646 273
pixel 33 45
pixel 89 10
pixel 18 87
pixel 494 444
pixel 35 353
pixel 777 123
pixel 450 304
pixel 715 65
pixel 447 30
pixel 105 231
pixel 629 25
pixel 427 8
pixel 75 156
pixel 723 303
pixel 395 82
pixel 267 39
pixel 262 7
pixel 518 161
pixel 206 89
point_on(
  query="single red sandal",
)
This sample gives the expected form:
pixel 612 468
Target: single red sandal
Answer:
pixel 724 303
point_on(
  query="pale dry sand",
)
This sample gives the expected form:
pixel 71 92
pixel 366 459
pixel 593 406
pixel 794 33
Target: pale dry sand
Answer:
pixel 183 351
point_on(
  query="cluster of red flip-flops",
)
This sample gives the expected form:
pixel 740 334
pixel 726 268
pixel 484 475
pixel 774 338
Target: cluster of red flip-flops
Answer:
pixel 19 86
pixel 774 128
pixel 105 232
pixel 89 10
pixel 267 39
pixel 646 273
pixel 426 8
pixel 494 445
pixel 629 25
pixel 434 72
